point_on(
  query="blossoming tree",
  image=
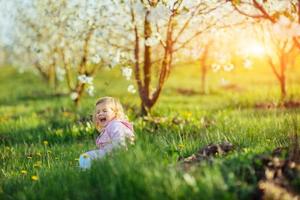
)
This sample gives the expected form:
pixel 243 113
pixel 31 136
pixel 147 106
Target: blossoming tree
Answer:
pixel 62 40
pixel 281 34
pixel 156 32
pixel 69 40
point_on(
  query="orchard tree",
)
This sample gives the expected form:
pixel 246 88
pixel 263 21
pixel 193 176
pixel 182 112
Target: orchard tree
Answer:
pixel 62 40
pixel 36 37
pixel 156 32
pixel 202 56
pixel 279 48
pixel 282 37
pixel 204 66
pixel 221 49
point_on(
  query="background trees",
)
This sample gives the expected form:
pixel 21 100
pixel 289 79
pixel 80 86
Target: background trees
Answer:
pixel 282 36
pixel 62 41
pixel 68 42
pixel 158 31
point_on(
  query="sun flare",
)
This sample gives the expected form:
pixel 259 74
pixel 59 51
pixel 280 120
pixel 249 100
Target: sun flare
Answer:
pixel 255 49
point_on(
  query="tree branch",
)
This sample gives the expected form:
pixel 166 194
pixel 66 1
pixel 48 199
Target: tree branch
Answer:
pixel 244 13
pixel 263 11
pixel 137 54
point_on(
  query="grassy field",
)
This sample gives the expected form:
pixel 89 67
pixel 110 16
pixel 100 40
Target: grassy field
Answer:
pixel 42 136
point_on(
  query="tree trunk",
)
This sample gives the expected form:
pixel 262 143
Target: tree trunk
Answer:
pixel 149 98
pixel 283 78
pixel 283 88
pixel 79 91
pixel 144 110
pixel 52 76
pixel 203 64
pixel 147 55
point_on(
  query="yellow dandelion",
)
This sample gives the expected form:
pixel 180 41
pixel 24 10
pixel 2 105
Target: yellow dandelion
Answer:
pixel 188 114
pixel 66 114
pixel 45 142
pixel 34 178
pixel 86 155
pixel 23 172
pixel 37 164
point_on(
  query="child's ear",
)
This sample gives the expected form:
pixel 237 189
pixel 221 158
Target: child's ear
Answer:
pixel 117 114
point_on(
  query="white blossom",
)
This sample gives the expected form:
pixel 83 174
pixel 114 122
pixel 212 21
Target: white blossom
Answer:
pixel 90 90
pixel 139 8
pixel 215 67
pixel 247 64
pixel 60 73
pixel 285 28
pixel 171 4
pixel 284 21
pixel 153 40
pixel 131 89
pixel 96 59
pixel 74 95
pixel 228 67
pixel 127 72
pixel 85 79
pixel 115 58
pixel 159 14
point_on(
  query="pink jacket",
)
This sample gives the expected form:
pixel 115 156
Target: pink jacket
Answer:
pixel 114 135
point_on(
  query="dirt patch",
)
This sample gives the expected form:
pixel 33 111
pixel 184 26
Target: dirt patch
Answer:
pixel 272 105
pixel 187 92
pixel 291 104
pixel 266 106
pixel 177 120
pixel 206 153
pixel 276 173
pixel 232 87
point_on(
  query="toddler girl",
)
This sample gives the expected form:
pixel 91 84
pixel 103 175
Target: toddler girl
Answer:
pixel 114 129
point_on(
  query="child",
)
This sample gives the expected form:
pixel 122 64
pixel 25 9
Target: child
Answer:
pixel 110 121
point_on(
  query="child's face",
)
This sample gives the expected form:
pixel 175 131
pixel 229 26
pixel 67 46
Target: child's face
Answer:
pixel 104 114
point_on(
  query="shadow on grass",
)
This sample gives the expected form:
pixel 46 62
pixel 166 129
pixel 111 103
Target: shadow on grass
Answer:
pixel 57 135
pixel 33 96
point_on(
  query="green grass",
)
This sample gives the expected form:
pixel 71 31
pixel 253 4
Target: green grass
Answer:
pixel 30 115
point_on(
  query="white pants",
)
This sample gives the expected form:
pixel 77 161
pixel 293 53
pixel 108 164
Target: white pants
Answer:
pixel 85 160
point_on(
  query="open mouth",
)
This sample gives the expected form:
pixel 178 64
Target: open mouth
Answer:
pixel 103 119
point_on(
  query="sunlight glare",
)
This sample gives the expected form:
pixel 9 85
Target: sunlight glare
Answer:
pixel 255 49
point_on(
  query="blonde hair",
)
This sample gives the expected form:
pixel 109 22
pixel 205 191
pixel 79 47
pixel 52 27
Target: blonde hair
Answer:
pixel 116 107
